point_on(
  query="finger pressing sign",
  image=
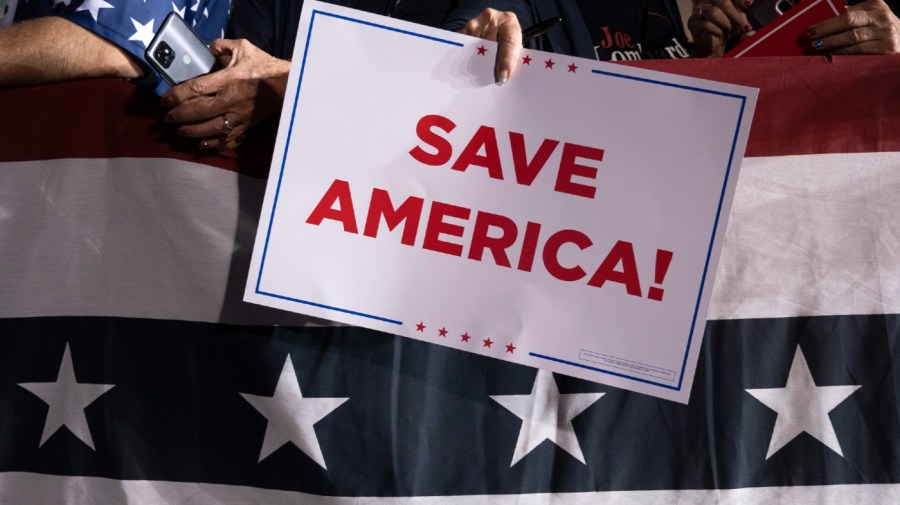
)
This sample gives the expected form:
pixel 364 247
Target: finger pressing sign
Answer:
pixel 504 28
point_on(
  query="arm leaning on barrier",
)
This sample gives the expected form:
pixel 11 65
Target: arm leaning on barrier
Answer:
pixel 54 49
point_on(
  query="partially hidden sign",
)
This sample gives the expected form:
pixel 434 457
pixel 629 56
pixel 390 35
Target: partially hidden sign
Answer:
pixel 786 34
pixel 569 220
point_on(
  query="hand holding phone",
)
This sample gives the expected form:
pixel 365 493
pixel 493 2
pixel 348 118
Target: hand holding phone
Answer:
pixel 177 53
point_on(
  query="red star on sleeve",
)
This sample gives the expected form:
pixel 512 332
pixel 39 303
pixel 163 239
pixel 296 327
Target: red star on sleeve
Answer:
pixel 526 60
pixel 572 68
pixel 487 342
pixel 420 327
pixel 510 348
pixel 481 50
pixel 442 332
pixel 464 337
pixel 548 63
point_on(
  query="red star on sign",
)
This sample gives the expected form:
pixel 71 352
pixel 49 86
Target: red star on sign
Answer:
pixel 572 68
pixel 420 327
pixel 487 342
pixel 464 337
pixel 526 60
pixel 442 332
pixel 548 63
pixel 482 50
pixel 510 348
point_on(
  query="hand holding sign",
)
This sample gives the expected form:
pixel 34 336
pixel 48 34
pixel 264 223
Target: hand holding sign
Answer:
pixel 503 28
pixel 869 27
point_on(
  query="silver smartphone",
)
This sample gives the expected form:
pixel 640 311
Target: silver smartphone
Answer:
pixel 177 53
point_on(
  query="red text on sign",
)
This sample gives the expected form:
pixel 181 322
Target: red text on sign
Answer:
pixel 493 235
pixel 483 150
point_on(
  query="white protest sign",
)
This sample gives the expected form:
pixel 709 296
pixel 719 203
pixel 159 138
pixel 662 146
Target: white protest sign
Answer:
pixel 568 220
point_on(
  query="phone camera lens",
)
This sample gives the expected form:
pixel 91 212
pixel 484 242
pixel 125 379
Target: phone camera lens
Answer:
pixel 164 54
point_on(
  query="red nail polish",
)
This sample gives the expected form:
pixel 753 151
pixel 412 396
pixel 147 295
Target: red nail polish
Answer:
pixel 748 27
pixel 748 3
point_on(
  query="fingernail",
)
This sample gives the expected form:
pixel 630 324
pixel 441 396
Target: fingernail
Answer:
pixel 204 145
pixel 748 27
pixel 504 76
pixel 748 3
pixel 810 32
pixel 180 132
pixel 817 44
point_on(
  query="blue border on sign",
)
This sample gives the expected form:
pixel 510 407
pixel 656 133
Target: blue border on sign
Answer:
pixel 743 101
pixel 737 128
pixel 262 264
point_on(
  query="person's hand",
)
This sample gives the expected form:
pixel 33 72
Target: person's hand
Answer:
pixel 220 107
pixel 866 28
pixel 504 28
pixel 715 22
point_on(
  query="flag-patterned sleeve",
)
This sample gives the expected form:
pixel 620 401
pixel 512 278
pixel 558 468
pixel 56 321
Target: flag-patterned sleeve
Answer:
pixel 131 24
